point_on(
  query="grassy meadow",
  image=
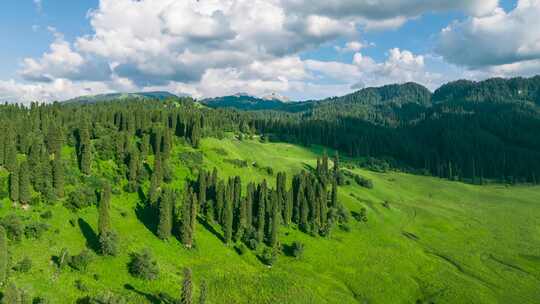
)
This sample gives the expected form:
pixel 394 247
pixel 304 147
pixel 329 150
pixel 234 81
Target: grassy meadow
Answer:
pixel 426 240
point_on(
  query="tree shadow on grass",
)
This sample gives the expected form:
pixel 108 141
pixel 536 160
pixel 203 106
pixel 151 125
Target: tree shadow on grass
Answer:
pixel 147 214
pixel 91 237
pixel 211 229
pixel 288 250
pixel 161 298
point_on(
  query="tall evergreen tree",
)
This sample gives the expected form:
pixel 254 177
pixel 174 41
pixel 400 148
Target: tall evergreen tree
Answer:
pixel 189 213
pixel 25 191
pixel 187 287
pixel 228 218
pixel 275 221
pixel 202 187
pixel 220 197
pixel 3 255
pixel 58 175
pixel 106 236
pixel 333 200
pixel 85 149
pixel 165 215
pixel 14 185
pixel 261 210
pixel 203 293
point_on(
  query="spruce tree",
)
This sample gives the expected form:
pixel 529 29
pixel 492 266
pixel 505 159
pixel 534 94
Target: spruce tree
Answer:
pixel 165 215
pixel 85 149
pixel 3 255
pixel 14 185
pixel 261 210
pixel 58 175
pixel 275 221
pixel 11 157
pixel 228 219
pixel 107 237
pixel 25 191
pixel 189 213
pixel 133 169
pixel 202 189
pixel 203 293
pixel 187 287
pixel 249 204
pixel 333 200
pixel 220 197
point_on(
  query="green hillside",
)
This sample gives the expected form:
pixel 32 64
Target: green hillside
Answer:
pixel 427 240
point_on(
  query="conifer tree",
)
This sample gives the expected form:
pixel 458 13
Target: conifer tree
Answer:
pixel 3 255
pixel 228 218
pixel 202 189
pixel 249 204
pixel 189 213
pixel 203 293
pixel 261 210
pixel 187 287
pixel 106 236
pixel 133 169
pixel 25 191
pixel 275 221
pixel 11 157
pixel 165 215
pixel 333 200
pixel 237 192
pixel 14 185
pixel 104 219
pixel 85 149
pixel 166 144
pixel 241 219
pixel 58 175
pixel 220 197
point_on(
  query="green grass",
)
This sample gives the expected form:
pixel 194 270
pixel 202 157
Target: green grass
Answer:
pixel 439 241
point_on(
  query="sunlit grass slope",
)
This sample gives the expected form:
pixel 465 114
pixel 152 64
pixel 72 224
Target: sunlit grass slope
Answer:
pixel 433 241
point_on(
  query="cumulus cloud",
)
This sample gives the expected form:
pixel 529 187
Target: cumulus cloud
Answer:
pixel 498 39
pixel 388 13
pixel 215 47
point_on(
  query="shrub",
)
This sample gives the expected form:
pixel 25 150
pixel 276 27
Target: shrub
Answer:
pixel 80 285
pixel 24 265
pixel 81 261
pixel 237 162
pixel 107 243
pixel 35 230
pixel 46 215
pixel 360 216
pixel 13 226
pixel 80 199
pixel 268 256
pixel 143 265
pixel 297 249
pixel 241 249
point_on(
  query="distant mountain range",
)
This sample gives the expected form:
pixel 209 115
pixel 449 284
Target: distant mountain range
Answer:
pixel 119 96
pixel 396 98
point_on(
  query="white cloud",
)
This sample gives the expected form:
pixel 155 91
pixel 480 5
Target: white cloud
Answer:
pixel 500 38
pixel 39 5
pixel 215 47
pixel 353 46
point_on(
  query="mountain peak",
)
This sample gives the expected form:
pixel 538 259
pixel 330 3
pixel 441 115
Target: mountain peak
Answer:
pixel 276 96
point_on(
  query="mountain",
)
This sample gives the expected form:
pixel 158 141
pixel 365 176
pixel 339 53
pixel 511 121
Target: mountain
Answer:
pixel 158 95
pixel 276 96
pixel 243 101
pixel 494 90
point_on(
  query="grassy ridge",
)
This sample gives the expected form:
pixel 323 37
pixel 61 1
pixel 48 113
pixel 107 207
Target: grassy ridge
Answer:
pixel 438 241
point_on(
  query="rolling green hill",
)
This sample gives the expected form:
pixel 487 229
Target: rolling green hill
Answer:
pixel 122 96
pixel 426 240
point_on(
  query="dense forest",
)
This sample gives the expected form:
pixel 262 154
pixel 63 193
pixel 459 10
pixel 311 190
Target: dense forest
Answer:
pixel 464 130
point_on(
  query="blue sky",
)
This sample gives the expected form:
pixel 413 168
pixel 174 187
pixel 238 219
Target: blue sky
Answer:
pixel 304 49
